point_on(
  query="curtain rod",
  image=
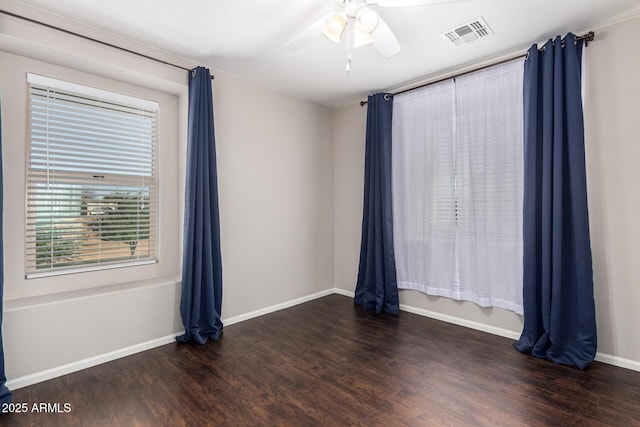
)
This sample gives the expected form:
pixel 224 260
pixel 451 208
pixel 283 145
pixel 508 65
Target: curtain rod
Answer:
pixel 589 37
pixel 82 36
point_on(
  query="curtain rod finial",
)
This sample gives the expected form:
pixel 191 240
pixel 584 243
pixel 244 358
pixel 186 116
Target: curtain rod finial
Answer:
pixel 589 38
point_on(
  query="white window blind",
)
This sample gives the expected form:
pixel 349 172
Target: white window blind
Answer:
pixel 91 179
pixel 458 185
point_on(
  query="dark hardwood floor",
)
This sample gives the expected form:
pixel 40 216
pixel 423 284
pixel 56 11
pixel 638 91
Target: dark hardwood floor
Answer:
pixel 328 363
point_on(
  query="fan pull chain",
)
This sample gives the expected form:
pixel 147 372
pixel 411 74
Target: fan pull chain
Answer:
pixel 348 66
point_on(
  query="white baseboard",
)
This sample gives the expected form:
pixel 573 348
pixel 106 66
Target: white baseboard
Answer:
pixel 48 374
pixel 620 362
pixel 447 318
pixel 461 322
pixel 344 292
pixel 79 365
pixel 600 357
pixel 274 308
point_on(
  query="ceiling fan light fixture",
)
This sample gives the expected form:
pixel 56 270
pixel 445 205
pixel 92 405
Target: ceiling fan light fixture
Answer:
pixel 361 38
pixel 334 27
pixel 366 20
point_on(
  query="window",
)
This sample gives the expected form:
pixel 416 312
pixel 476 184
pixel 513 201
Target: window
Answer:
pixel 91 179
pixel 458 185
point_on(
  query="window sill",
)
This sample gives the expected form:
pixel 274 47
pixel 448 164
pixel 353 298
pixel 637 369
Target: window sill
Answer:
pixel 30 302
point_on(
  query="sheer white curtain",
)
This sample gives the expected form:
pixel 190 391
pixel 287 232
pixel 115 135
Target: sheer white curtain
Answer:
pixel 457 188
pixel 423 188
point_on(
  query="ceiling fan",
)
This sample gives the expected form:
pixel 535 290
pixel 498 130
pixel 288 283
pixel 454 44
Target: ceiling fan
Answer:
pixel 362 26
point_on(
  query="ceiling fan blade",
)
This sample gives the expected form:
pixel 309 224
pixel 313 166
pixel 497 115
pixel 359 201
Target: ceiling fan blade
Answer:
pixel 408 3
pixel 308 34
pixel 384 40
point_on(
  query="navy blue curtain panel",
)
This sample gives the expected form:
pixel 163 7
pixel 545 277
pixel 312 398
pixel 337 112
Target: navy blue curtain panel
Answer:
pixel 559 308
pixel 377 288
pixel 5 394
pixel 201 302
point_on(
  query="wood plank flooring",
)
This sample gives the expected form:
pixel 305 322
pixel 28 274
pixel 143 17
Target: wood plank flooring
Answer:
pixel 328 363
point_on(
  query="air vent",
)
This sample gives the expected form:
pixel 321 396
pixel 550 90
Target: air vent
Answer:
pixel 467 33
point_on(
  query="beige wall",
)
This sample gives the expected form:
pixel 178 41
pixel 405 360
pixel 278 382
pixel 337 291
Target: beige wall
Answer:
pixel 348 162
pixel 612 108
pixel 276 195
pixel 612 123
pixel 290 182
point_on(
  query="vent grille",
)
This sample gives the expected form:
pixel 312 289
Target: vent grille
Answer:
pixel 467 33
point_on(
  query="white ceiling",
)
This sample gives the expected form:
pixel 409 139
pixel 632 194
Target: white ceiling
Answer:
pixel 247 38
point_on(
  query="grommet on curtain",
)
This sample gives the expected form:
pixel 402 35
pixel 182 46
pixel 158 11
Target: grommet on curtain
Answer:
pixel 387 97
pixel 193 72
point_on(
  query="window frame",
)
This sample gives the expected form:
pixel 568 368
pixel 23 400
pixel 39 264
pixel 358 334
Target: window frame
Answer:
pixel 108 180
